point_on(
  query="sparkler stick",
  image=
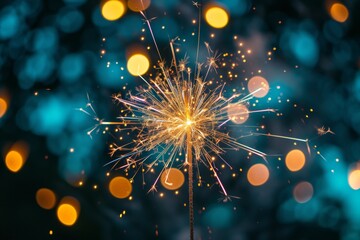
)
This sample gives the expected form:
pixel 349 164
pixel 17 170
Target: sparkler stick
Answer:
pixel 189 162
pixel 190 183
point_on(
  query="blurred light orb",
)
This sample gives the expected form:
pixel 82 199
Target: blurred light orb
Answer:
pixel 71 68
pixel 3 107
pixel 354 179
pixel 138 5
pixel 218 216
pixel 304 47
pixel 295 160
pixel 14 161
pixel 172 178
pixel 67 214
pixel 258 86
pixel 120 187
pixel 339 12
pixel 258 174
pixel 9 23
pixel 113 10
pixel 138 64
pixel 45 198
pixel 38 67
pixel 45 39
pixel 303 192
pixel 50 115
pixel 238 113
pixel 70 21
pixel 216 17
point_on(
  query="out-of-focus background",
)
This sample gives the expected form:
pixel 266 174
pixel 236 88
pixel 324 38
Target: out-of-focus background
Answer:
pixel 58 56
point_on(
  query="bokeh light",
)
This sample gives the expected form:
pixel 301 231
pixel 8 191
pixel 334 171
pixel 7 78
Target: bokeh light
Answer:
pixel 138 64
pixel 120 187
pixel 3 107
pixel 259 86
pixel 303 192
pixel 138 5
pixel 16 156
pixel 113 10
pixel 10 22
pixel 339 12
pixel 67 214
pixel 295 160
pixel 354 179
pixel 238 113
pixel 37 68
pixel 218 216
pixel 216 17
pixel 71 68
pixel 301 44
pixel 14 161
pixel 45 198
pixel 70 21
pixel 172 178
pixel 258 174
pixel 68 211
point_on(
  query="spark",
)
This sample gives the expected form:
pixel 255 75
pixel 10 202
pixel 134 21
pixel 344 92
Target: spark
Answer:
pixel 322 131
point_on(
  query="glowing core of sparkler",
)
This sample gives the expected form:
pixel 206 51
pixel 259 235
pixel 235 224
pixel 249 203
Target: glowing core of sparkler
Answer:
pixel 188 122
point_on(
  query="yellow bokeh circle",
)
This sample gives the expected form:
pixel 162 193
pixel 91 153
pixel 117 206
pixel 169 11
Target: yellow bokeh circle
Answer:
pixel 67 214
pixel 138 64
pixel 216 17
pixel 113 9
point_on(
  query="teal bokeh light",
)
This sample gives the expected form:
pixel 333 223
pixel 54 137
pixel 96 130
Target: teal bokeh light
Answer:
pixel 70 21
pixel 71 68
pixel 218 216
pixel 10 23
pixel 304 47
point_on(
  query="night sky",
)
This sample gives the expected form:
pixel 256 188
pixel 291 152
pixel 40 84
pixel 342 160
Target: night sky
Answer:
pixel 64 64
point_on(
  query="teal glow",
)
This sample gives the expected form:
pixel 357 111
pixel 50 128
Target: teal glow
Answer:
pixel 218 216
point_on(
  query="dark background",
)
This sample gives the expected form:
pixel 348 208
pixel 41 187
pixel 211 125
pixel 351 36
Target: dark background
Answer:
pixel 50 60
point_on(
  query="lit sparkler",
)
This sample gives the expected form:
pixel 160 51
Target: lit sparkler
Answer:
pixel 179 113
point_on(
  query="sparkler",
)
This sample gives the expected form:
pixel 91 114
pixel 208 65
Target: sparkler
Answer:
pixel 177 112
